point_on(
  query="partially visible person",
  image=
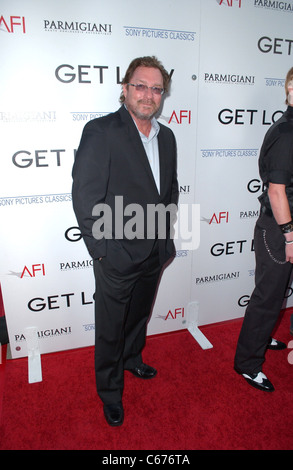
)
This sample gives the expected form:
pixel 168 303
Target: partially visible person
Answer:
pixel 273 241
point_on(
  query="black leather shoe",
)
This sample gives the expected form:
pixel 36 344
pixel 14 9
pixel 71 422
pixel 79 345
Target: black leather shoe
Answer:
pixel 276 345
pixel 143 371
pixel 114 414
pixel 259 381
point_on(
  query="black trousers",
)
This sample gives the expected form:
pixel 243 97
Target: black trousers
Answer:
pixel 122 307
pixel 272 276
pixel 4 339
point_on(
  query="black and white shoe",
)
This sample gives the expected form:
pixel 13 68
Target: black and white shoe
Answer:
pixel 276 345
pixel 259 381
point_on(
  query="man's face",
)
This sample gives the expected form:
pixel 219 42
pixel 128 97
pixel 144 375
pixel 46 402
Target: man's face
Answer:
pixel 143 104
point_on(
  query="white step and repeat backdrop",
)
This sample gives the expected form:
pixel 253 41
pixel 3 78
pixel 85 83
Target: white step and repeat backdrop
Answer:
pixel 62 65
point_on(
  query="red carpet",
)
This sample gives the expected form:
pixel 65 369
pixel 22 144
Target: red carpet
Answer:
pixel 196 401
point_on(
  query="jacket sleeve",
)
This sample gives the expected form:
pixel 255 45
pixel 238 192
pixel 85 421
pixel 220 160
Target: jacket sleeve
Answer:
pixel 175 186
pixel 90 178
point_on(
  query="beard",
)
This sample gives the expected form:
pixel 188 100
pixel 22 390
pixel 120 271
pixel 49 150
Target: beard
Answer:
pixel 144 109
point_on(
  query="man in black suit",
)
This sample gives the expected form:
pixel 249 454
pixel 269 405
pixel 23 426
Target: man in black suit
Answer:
pixel 124 183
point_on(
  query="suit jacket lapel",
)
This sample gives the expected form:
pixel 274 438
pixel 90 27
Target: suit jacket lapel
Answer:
pixel 140 153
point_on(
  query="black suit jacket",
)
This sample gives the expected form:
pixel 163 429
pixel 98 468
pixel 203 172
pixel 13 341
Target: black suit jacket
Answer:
pixel 110 162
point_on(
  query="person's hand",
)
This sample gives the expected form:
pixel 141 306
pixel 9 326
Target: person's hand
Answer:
pixel 289 253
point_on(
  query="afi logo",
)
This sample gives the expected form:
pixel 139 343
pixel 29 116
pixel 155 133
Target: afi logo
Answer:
pixel 36 268
pixel 11 23
pixel 229 3
pixel 183 115
pixel 178 311
pixel 223 216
